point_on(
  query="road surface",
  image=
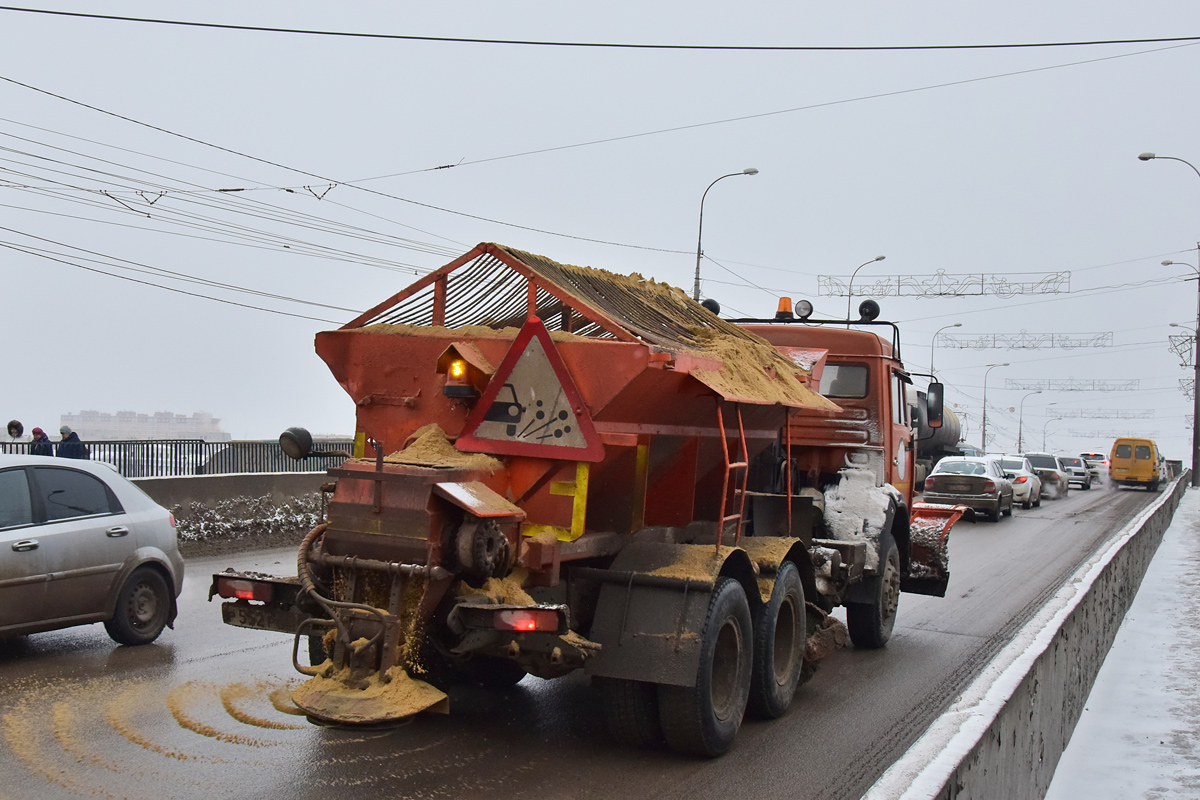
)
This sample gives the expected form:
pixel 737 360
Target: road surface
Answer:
pixel 203 711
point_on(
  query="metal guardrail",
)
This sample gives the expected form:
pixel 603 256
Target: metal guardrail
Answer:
pixel 170 458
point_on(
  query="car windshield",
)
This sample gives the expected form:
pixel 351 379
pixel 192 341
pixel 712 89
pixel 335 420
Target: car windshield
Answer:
pixel 961 468
pixel 1042 462
pixel 1071 462
pixel 1013 466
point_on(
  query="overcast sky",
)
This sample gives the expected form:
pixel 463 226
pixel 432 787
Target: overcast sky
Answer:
pixel 963 161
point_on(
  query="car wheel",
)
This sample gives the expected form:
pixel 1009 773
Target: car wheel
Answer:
pixel 1087 484
pixel 704 719
pixel 871 623
pixel 1037 501
pixel 143 606
pixel 1008 511
pixel 994 514
pixel 1027 504
pixel 779 637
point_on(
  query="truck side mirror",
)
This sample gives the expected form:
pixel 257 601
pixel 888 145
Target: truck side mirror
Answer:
pixel 934 398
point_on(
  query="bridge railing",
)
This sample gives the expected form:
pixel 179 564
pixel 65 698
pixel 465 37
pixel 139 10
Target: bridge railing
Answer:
pixel 170 458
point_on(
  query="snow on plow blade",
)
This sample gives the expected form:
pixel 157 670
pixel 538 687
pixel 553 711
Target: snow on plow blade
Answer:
pixel 929 564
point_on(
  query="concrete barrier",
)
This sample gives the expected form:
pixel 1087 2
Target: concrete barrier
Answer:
pixel 209 490
pixel 1004 735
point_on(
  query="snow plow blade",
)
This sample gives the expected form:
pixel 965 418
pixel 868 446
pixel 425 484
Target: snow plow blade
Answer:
pixel 929 565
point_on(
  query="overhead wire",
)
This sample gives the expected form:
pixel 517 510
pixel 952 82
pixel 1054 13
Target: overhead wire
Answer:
pixel 67 262
pixel 590 45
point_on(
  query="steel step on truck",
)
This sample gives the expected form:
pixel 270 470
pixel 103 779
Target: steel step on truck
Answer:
pixel 560 468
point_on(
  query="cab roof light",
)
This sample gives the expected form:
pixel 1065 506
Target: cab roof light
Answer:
pixel 785 309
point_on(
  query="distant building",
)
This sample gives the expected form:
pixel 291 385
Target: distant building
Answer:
pixel 127 425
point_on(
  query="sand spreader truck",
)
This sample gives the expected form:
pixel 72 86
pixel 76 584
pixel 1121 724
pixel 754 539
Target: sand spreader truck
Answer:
pixel 560 468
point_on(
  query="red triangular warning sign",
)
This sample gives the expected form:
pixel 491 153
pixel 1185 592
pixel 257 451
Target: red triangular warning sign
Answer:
pixel 531 406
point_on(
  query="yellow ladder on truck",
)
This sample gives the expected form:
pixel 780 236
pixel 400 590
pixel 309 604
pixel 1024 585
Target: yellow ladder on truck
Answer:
pixel 731 468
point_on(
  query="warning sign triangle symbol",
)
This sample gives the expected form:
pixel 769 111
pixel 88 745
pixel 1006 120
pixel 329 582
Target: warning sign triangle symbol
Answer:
pixel 531 406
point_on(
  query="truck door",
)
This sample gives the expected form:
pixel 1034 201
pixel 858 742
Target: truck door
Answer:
pixel 900 468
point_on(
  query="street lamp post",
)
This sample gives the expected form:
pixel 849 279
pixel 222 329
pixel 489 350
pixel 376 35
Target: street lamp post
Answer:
pixel 983 422
pixel 700 233
pixel 1195 367
pixel 850 288
pixel 1055 419
pixel 1196 358
pixel 933 342
pixel 1021 421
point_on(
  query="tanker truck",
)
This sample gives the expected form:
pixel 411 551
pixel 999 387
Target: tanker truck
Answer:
pixel 561 469
pixel 932 444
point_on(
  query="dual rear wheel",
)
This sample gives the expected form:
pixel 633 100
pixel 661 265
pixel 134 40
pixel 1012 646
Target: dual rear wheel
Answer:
pixel 746 661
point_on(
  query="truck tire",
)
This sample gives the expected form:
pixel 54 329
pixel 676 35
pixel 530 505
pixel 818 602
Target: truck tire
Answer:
pixel 142 608
pixel 631 711
pixel 704 719
pixel 780 626
pixel 871 624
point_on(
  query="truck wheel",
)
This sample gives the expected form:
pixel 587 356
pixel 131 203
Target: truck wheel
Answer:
pixel 871 623
pixel 142 608
pixel 492 672
pixel 704 719
pixel 779 634
pixel 631 711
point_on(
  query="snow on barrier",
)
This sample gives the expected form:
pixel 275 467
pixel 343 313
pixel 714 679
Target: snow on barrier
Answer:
pixel 1005 733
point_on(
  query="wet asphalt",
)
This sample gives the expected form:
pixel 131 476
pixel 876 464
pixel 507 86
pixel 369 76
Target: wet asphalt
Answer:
pixel 202 712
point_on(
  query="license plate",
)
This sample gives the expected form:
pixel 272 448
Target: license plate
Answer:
pixel 263 618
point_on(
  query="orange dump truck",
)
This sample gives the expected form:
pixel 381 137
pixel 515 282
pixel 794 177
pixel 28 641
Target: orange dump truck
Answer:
pixel 560 468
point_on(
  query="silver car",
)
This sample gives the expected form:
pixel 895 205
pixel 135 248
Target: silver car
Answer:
pixel 81 544
pixel 977 483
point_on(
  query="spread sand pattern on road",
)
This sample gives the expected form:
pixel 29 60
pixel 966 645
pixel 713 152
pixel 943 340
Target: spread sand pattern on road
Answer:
pixel 116 738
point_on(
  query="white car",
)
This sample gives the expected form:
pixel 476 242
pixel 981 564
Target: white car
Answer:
pixel 1078 470
pixel 81 544
pixel 1027 486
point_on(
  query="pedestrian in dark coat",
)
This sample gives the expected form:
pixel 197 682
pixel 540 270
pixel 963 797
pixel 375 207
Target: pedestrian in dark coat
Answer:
pixel 70 446
pixel 41 444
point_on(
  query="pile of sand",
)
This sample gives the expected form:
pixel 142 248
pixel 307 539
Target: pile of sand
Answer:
pixel 331 699
pixel 501 591
pixel 431 447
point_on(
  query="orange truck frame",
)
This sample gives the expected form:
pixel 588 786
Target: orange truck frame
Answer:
pixel 559 468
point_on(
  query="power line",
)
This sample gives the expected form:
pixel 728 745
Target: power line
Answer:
pixel 596 45
pixel 778 112
pixel 31 252
pixel 194 140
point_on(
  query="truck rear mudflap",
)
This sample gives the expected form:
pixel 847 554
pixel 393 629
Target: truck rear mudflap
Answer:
pixel 929 562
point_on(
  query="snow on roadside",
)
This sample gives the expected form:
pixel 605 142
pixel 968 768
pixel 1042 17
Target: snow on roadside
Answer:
pixel 1140 728
pixel 240 522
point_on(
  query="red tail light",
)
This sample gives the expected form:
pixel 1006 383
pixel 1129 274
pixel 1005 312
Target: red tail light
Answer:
pixel 930 483
pixel 990 486
pixel 1020 479
pixel 526 619
pixel 172 518
pixel 244 590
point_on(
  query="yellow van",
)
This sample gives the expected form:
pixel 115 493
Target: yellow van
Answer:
pixel 1136 462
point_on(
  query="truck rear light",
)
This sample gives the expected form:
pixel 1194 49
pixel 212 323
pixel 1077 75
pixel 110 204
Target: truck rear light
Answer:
pixel 526 619
pixel 233 588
